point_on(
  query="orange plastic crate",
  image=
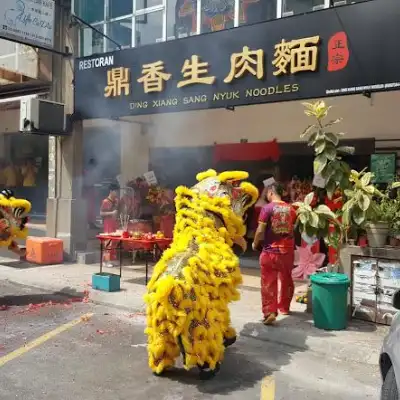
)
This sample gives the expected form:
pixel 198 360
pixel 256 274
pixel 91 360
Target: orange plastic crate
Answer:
pixel 44 250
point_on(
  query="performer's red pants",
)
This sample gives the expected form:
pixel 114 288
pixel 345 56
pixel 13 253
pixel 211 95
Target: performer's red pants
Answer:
pixel 274 266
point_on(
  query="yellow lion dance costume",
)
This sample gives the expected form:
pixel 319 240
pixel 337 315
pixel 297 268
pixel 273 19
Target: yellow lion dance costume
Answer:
pixel 196 278
pixel 13 218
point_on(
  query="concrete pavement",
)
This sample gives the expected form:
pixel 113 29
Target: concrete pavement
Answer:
pixel 361 342
pixel 103 356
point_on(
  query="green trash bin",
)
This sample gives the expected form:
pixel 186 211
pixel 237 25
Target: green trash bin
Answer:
pixel 329 300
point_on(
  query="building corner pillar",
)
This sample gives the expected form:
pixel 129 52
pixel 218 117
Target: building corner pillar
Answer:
pixel 66 209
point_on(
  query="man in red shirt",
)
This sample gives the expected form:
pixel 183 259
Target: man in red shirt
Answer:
pixel 276 229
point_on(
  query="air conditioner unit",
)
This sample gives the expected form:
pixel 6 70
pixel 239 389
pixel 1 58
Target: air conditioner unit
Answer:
pixel 287 13
pixel 42 117
pixel 339 3
pixel 318 7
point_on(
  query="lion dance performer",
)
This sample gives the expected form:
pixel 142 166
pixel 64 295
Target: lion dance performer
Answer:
pixel 196 278
pixel 13 220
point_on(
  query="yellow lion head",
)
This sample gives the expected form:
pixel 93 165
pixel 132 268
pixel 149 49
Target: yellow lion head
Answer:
pixel 225 196
pixel 13 217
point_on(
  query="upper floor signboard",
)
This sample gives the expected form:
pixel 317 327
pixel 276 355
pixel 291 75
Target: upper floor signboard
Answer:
pixel 341 51
pixel 28 21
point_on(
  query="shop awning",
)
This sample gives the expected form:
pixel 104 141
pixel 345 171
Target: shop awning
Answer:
pixel 247 151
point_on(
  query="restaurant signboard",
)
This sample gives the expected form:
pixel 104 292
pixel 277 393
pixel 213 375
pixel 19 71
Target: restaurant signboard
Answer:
pixel 341 51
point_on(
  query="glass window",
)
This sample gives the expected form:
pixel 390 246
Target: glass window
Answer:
pixel 181 18
pixel 91 41
pixel 121 32
pixel 149 28
pixel 8 62
pixel 119 8
pixel 253 11
pixel 90 10
pixel 7 47
pixel 142 4
pixel 291 7
pixel 217 15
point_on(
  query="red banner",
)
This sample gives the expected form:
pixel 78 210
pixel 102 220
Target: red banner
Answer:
pixel 247 151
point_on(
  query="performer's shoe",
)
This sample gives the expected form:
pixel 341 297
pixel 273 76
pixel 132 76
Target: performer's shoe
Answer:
pixel 269 319
pixel 229 341
pixel 207 373
pixel 284 312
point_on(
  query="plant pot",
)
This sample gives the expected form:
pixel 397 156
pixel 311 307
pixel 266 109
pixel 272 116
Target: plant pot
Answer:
pixel 363 241
pixel 377 234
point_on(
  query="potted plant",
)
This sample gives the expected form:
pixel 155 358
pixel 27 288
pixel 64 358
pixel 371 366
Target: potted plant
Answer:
pixel 365 208
pixel 395 226
pixel 363 205
pixel 321 221
pixel 371 209
pixel 390 211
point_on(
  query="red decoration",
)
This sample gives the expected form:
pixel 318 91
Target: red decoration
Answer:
pixel 315 248
pixel 335 203
pixel 332 252
pixel 167 223
pixel 247 151
pixel 338 52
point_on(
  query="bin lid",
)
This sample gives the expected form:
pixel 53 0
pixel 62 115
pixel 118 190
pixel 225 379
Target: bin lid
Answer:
pixel 330 278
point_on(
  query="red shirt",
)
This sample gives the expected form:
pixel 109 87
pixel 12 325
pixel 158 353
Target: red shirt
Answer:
pixel 279 218
pixel 110 223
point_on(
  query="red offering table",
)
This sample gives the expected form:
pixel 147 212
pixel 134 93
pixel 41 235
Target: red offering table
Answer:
pixel 145 245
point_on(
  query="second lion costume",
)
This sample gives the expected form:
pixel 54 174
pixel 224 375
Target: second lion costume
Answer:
pixel 197 277
pixel 13 220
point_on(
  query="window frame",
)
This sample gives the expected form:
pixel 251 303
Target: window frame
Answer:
pixel 163 8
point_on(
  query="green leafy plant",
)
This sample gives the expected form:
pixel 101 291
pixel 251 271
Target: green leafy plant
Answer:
pixel 329 165
pixel 314 221
pixel 389 209
pixel 360 206
pixel 328 153
pixel 366 203
pixel 362 201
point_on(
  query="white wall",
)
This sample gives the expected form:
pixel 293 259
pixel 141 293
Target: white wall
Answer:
pixel 362 118
pixel 9 121
pixel 134 152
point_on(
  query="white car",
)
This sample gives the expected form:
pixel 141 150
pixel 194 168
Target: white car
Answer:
pixel 390 357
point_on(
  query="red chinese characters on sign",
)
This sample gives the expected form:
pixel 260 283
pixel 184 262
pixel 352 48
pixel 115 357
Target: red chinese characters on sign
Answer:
pixel 338 52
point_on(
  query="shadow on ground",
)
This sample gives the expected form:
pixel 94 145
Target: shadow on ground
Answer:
pixel 20 264
pixel 239 371
pixel 245 364
pixel 38 298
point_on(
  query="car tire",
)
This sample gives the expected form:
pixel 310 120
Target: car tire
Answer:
pixel 389 387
